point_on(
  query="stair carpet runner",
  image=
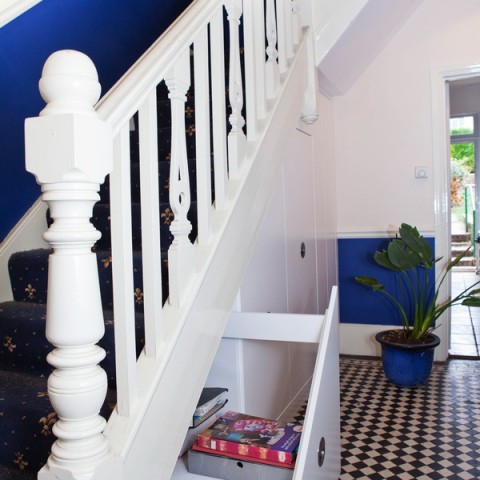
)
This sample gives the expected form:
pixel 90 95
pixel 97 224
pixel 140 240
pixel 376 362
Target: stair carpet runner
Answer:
pixel 26 415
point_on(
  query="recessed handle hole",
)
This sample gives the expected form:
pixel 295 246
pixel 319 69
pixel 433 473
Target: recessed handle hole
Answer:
pixel 321 452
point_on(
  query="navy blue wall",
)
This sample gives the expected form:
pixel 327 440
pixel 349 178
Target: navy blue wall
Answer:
pixel 112 33
pixel 359 304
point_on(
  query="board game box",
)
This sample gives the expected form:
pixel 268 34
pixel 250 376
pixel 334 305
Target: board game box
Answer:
pixel 252 436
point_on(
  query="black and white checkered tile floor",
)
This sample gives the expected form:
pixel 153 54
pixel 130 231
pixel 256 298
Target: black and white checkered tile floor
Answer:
pixel 431 432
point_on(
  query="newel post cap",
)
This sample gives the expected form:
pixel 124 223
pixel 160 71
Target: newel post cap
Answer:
pixel 68 142
pixel 69 83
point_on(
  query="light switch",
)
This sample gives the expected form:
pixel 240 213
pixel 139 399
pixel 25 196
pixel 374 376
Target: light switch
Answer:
pixel 421 171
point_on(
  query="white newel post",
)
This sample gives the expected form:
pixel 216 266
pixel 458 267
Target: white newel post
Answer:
pixel 69 150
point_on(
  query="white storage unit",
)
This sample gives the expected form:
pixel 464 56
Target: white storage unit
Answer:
pixel 277 350
pixel 265 385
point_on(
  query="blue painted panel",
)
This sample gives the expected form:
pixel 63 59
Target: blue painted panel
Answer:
pixel 358 304
pixel 113 33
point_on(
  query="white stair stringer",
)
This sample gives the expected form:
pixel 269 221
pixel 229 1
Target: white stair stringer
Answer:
pixel 146 444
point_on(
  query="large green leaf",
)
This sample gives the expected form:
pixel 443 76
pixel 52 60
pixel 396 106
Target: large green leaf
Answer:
pixel 402 256
pixel 381 257
pixel 370 282
pixel 417 243
pixel 471 302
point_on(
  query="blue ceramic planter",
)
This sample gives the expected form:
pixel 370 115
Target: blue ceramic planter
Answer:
pixel 407 365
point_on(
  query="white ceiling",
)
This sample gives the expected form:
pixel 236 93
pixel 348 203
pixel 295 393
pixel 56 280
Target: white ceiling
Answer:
pixel 361 41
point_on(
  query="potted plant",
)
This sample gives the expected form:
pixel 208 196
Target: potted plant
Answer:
pixel 407 353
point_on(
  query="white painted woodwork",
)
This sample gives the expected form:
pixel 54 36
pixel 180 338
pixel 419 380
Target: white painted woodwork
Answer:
pixel 282 36
pixel 323 410
pixel 236 137
pixel 183 337
pixel 202 134
pixel 279 327
pixel 150 214
pixel 180 253
pixel 122 272
pixel 255 96
pixel 69 168
pixel 264 285
pixel 299 174
pixel 259 365
pixel 259 60
pixel 11 9
pixel 278 279
pixel 287 5
pixel 310 111
pixel 272 72
pixel 198 326
pixel 296 23
pixel 219 118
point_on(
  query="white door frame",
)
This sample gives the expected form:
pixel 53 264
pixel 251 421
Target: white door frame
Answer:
pixel 441 169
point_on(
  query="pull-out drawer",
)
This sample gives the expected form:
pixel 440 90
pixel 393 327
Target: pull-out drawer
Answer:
pixel 245 368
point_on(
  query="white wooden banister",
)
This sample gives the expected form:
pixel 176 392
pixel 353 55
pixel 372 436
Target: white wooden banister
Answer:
pixel 70 166
pixel 74 144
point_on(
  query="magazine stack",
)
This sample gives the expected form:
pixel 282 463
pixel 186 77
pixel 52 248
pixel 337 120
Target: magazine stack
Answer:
pixel 209 408
pixel 239 446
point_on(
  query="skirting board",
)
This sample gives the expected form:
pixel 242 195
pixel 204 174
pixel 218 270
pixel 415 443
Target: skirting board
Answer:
pixel 359 339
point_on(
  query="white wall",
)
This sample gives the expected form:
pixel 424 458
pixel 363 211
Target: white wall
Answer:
pixel 383 125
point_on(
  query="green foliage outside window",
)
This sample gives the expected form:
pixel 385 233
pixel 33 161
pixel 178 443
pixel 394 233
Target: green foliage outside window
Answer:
pixel 463 153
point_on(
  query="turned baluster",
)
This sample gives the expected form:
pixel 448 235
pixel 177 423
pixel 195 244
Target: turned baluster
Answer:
pixel 69 150
pixel 180 253
pixel 272 70
pixel 297 24
pixel 236 137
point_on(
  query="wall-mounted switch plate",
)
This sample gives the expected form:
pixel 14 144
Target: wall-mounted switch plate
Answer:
pixel 421 171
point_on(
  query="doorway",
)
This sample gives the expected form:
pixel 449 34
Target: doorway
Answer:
pixel 464 109
pixel 441 80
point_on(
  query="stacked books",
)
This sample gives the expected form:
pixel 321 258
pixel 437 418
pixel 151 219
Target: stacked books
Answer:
pixel 211 400
pixel 260 447
pixel 209 407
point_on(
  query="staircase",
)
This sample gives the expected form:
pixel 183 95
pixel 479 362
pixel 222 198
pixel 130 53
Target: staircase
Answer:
pixel 135 311
pixel 460 243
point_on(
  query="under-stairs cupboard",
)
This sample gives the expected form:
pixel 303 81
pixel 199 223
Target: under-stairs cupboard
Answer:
pixel 265 361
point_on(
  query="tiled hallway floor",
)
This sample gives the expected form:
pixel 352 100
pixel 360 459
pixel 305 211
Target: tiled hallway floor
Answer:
pixel 465 321
pixel 430 432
